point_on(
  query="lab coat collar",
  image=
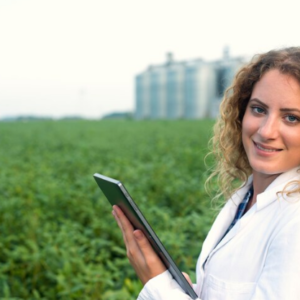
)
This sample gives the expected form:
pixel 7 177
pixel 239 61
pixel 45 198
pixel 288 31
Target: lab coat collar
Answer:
pixel 228 212
pixel 270 194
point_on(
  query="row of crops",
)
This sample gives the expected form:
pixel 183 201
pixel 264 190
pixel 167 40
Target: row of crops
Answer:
pixel 58 239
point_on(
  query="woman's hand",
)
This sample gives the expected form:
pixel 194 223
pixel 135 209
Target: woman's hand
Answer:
pixel 142 257
pixel 188 279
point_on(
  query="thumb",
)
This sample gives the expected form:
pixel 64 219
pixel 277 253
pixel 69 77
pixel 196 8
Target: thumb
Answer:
pixel 187 277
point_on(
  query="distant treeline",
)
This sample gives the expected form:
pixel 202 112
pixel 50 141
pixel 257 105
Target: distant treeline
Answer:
pixel 114 115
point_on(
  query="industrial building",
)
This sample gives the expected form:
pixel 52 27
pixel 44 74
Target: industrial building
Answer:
pixel 184 89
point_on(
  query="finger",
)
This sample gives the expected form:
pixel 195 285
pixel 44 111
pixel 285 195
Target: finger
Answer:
pixel 127 231
pixel 149 254
pixel 117 215
pixel 117 219
pixel 122 220
pixel 143 243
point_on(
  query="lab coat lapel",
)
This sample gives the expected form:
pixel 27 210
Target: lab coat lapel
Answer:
pixel 235 230
pixel 224 219
pixel 222 223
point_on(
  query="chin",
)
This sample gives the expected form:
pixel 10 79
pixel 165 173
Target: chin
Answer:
pixel 268 170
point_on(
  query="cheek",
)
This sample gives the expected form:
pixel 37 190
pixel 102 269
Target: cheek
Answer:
pixel 249 125
pixel 246 141
pixel 291 140
pixel 248 130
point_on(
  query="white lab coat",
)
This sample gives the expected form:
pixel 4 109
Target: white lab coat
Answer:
pixel 259 258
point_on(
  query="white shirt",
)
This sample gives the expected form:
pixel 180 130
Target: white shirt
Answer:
pixel 259 258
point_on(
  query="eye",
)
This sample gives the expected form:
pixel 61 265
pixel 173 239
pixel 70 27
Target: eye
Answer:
pixel 257 109
pixel 292 119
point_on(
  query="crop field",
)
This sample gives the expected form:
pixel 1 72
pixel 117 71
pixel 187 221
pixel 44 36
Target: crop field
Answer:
pixel 58 239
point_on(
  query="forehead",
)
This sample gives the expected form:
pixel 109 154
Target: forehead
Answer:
pixel 277 86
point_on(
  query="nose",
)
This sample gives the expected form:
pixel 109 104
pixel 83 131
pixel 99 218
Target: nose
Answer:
pixel 269 128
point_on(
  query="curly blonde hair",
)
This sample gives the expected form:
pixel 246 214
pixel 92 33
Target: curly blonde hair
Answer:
pixel 232 164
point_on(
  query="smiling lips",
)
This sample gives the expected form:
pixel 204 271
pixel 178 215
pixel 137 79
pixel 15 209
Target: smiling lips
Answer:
pixel 266 148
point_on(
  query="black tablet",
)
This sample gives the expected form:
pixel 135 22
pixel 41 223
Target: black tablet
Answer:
pixel 116 194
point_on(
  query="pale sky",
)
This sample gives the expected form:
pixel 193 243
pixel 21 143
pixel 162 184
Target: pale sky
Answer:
pixel 80 57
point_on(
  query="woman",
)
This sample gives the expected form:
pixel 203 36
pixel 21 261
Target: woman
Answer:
pixel 253 248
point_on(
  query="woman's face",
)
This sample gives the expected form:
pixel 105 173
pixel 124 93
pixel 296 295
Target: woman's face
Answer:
pixel 271 124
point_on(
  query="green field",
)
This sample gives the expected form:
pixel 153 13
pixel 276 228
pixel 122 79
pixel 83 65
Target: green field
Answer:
pixel 58 238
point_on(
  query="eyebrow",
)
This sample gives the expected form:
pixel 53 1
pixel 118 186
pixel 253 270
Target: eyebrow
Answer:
pixel 266 106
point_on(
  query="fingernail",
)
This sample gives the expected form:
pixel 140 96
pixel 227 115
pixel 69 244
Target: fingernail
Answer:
pixel 138 234
pixel 115 210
